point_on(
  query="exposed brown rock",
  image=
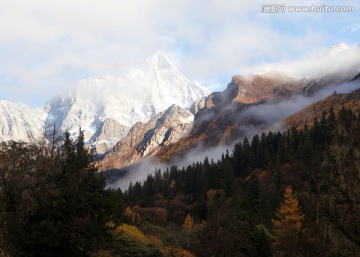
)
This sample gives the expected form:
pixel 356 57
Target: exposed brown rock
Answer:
pixel 146 139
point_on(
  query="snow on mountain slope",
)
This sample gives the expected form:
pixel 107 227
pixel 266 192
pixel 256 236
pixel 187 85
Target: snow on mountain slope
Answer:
pixel 336 49
pixel 137 97
pixel 20 122
pixel 107 135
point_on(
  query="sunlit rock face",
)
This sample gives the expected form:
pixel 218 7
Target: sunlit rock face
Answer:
pixel 146 139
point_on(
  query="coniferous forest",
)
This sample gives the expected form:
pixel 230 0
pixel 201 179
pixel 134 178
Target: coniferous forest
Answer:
pixel 295 193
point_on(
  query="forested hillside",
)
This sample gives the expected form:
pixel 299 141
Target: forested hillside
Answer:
pixel 333 103
pixel 295 193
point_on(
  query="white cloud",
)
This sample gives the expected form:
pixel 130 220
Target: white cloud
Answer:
pixel 47 45
pixel 344 64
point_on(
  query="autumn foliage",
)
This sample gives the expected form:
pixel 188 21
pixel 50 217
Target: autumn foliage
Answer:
pixel 287 225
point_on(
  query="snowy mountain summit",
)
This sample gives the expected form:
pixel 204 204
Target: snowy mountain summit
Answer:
pixel 336 49
pixel 104 107
pixel 139 96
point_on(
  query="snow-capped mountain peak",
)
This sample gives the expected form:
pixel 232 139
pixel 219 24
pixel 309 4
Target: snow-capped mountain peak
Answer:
pixel 160 61
pixel 339 48
pixel 138 96
pixel 104 105
pixel 335 50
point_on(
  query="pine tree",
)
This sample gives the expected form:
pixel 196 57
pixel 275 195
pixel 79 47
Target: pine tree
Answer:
pixel 67 152
pixel 245 157
pixel 261 239
pixel 83 156
pixel 287 225
pixel 229 179
pixel 236 158
pixel 86 206
pixel 253 192
pixel 255 158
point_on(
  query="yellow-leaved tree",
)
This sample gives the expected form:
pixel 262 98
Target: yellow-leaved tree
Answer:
pixel 188 223
pixel 287 225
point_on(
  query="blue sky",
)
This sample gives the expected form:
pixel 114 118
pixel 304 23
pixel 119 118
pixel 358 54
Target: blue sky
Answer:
pixel 47 46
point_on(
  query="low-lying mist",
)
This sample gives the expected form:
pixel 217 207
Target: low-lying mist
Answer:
pixel 139 172
pixel 271 113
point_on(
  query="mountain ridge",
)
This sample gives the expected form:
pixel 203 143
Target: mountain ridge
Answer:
pixel 241 109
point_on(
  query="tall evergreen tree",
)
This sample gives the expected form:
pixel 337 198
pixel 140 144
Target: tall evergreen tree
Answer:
pixel 229 179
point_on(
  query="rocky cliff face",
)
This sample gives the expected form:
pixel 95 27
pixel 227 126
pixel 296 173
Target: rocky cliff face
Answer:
pixel 200 104
pixel 145 139
pixel 259 88
pixel 107 135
